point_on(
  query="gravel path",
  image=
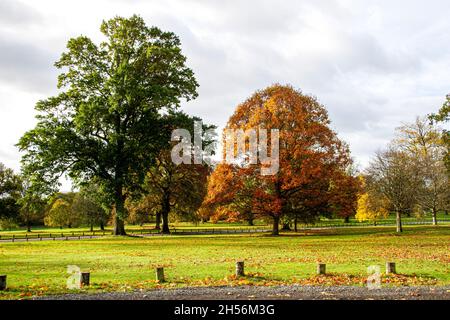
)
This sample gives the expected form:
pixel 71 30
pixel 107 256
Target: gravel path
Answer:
pixel 271 293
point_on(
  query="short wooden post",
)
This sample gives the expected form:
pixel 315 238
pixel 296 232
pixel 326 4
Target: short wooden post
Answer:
pixel 160 274
pixel 240 269
pixel 85 279
pixel 321 268
pixel 390 268
pixel 2 282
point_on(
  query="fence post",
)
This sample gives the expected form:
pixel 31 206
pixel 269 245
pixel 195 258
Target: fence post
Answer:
pixel 240 269
pixel 321 268
pixel 85 279
pixel 160 274
pixel 2 282
pixel 390 268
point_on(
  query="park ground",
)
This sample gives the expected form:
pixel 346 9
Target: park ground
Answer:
pixel 126 264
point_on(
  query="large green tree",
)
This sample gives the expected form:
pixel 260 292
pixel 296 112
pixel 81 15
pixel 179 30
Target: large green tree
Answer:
pixel 32 204
pixel 110 118
pixel 10 186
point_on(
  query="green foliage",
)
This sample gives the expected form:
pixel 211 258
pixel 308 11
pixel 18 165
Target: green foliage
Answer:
pixel 32 204
pixel 60 214
pixel 173 189
pixel 59 211
pixel 10 186
pixel 444 112
pixel 87 206
pixel 110 118
pixel 8 224
pixel 444 116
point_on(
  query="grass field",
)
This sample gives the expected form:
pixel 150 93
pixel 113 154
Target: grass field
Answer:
pixel 442 218
pixel 422 255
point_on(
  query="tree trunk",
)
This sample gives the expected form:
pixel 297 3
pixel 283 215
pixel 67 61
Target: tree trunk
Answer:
pixel 165 224
pixel 435 217
pixel 276 222
pixel 295 224
pixel 92 227
pixel 165 215
pixel 119 224
pixel 250 222
pixel 158 221
pixel 399 221
pixel 347 219
pixel 28 227
pixel 102 226
pixel 446 212
pixel 119 227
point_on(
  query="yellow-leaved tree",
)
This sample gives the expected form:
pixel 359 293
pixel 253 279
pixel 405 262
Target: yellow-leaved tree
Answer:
pixel 59 214
pixel 371 206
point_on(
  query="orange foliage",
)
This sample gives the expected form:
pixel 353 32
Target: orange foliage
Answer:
pixel 310 157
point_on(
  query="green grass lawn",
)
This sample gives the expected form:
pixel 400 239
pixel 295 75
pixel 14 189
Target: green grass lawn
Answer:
pixel 443 218
pixel 131 228
pixel 422 255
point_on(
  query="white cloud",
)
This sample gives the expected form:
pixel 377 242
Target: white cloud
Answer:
pixel 372 63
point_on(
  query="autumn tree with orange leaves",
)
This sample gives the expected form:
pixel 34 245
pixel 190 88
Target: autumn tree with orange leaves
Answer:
pixel 344 192
pixel 311 157
pixel 231 193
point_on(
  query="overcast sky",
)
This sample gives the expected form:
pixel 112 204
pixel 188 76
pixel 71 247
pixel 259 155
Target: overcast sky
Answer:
pixel 373 64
